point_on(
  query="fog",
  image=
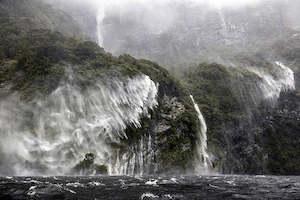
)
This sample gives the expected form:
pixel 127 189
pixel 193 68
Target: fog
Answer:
pixel 215 3
pixel 158 15
pixel 50 136
pixel 180 32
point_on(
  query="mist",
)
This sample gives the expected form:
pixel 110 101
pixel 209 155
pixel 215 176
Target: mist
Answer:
pixel 180 33
pixel 50 136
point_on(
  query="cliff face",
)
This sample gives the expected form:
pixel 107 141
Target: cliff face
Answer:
pixel 281 136
pixel 68 98
pixel 248 130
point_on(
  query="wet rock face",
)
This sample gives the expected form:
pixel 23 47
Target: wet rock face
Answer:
pixel 280 136
pixel 172 129
pixel 172 109
pixel 268 144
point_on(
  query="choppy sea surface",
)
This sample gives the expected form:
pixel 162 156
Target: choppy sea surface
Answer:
pixel 148 188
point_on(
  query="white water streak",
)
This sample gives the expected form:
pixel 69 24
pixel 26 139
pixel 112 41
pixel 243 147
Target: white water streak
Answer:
pixel 203 161
pixel 99 20
pixel 223 21
pixel 137 160
pixel 279 79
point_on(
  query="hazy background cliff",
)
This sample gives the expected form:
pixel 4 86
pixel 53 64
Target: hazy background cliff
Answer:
pixel 179 33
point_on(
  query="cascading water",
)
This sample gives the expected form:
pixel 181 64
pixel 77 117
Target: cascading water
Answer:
pixel 99 20
pixel 288 79
pixel 274 81
pixel 53 135
pixel 203 160
pixel 223 21
pixel 138 160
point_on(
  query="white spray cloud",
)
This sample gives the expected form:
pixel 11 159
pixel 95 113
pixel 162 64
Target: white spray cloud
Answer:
pixel 52 136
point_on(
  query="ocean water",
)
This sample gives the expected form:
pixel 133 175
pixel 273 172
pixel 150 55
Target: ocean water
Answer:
pixel 151 187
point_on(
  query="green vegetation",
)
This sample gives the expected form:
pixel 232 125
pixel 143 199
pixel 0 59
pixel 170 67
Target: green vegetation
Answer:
pixel 211 86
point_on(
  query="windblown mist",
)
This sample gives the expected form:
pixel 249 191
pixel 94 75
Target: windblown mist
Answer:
pixel 50 136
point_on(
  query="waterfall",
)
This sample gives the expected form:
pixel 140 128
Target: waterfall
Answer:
pixel 51 136
pixel 138 160
pixel 287 77
pixel 203 160
pixel 99 20
pixel 275 80
pixel 223 21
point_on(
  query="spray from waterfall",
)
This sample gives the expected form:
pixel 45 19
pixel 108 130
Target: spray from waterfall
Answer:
pixel 203 160
pixel 53 135
pixel 288 79
pixel 278 79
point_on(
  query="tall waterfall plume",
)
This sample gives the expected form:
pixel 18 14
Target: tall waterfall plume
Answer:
pixel 99 19
pixel 203 161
